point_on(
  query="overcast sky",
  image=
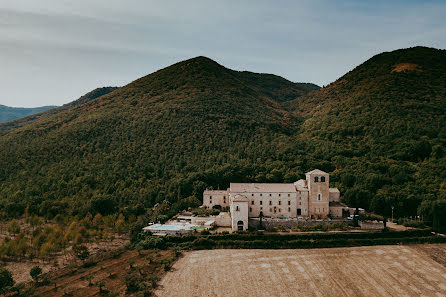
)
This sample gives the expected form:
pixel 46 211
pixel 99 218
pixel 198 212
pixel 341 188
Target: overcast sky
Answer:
pixel 54 51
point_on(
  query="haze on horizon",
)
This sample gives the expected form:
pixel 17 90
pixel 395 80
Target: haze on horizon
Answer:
pixel 54 51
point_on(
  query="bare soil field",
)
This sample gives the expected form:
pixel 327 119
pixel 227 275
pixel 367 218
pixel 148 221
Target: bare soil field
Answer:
pixel 410 270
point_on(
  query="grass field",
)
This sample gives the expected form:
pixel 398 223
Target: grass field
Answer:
pixel 415 270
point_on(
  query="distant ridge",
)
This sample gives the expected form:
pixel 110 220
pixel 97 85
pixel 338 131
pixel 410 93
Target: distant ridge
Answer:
pixel 10 113
pixel 52 110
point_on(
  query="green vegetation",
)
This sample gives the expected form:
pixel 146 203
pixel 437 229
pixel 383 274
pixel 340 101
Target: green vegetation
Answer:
pixel 35 273
pixel 6 280
pixel 161 140
pixel 43 240
pixel 290 241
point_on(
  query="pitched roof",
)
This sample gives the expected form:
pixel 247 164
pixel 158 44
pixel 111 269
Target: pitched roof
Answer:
pixel 261 188
pixel 333 190
pixel 240 198
pixel 316 171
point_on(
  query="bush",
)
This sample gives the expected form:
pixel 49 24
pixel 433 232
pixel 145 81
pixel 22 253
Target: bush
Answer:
pixel 35 272
pixel 5 279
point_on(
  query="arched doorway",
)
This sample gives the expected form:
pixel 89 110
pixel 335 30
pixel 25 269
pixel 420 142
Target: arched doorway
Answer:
pixel 240 225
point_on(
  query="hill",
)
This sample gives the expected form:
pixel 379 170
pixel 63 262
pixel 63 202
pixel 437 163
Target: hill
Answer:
pixel 165 136
pixel 10 113
pixel 20 122
pixel 382 126
pixel 379 130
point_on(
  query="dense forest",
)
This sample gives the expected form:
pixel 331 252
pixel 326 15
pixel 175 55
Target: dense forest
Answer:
pixel 379 131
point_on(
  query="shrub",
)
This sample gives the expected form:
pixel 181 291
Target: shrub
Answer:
pixel 5 279
pixel 35 273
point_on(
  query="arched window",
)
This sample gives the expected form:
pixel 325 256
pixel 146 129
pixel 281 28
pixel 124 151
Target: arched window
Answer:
pixel 319 197
pixel 236 208
pixel 322 179
pixel 316 179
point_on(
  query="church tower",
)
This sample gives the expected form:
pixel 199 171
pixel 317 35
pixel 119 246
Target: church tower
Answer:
pixel 318 193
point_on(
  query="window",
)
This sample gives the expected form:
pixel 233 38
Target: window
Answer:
pixel 261 194
pixel 210 197
pixel 289 209
pixel 224 199
pixel 322 179
pixel 237 208
pixel 252 194
pixel 261 208
pixel 316 179
pixel 250 209
pixel 269 194
pixel 252 202
pixel 288 195
pixel 279 194
pixel 280 202
pixel 280 210
pixel 300 203
pixel 261 202
pixel 289 202
pixel 275 209
pixel 319 197
pixel 270 202
pixel 270 209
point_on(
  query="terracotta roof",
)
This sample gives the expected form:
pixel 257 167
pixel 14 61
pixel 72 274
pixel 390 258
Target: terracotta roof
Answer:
pixel 261 188
pixel 316 171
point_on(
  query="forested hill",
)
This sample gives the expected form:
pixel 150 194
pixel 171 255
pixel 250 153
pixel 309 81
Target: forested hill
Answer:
pixel 383 127
pixel 379 130
pixel 10 113
pixel 45 112
pixel 168 135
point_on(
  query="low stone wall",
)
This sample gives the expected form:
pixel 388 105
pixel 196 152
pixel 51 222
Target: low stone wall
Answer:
pixel 371 225
pixel 255 222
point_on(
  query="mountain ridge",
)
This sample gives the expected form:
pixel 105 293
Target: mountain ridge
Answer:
pixel 8 113
pixel 197 124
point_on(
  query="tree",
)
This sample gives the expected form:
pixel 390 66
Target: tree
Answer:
pixel 100 285
pixel 81 252
pixel 14 227
pixel 6 279
pixel 35 273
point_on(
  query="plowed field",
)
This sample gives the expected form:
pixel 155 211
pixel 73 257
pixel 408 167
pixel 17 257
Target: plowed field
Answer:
pixel 359 271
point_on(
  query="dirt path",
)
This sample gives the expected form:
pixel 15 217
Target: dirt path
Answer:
pixel 358 271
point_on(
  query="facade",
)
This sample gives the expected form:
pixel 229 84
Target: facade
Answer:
pixel 307 198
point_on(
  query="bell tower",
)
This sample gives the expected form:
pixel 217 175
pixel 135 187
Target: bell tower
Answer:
pixel 318 193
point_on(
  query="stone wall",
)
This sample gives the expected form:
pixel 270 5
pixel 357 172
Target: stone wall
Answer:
pixel 255 222
pixel 371 225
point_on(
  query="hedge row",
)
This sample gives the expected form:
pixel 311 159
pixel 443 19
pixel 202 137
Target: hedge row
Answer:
pixel 291 241
pixel 304 236
pixel 207 243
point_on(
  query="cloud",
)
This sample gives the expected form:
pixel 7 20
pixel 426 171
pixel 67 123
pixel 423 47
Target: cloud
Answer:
pixel 60 49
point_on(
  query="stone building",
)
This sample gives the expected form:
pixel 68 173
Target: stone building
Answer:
pixel 306 198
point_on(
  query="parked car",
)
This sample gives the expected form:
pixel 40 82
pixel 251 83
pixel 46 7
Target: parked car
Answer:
pixel 351 217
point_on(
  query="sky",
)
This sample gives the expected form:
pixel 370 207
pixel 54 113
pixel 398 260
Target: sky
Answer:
pixel 54 51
